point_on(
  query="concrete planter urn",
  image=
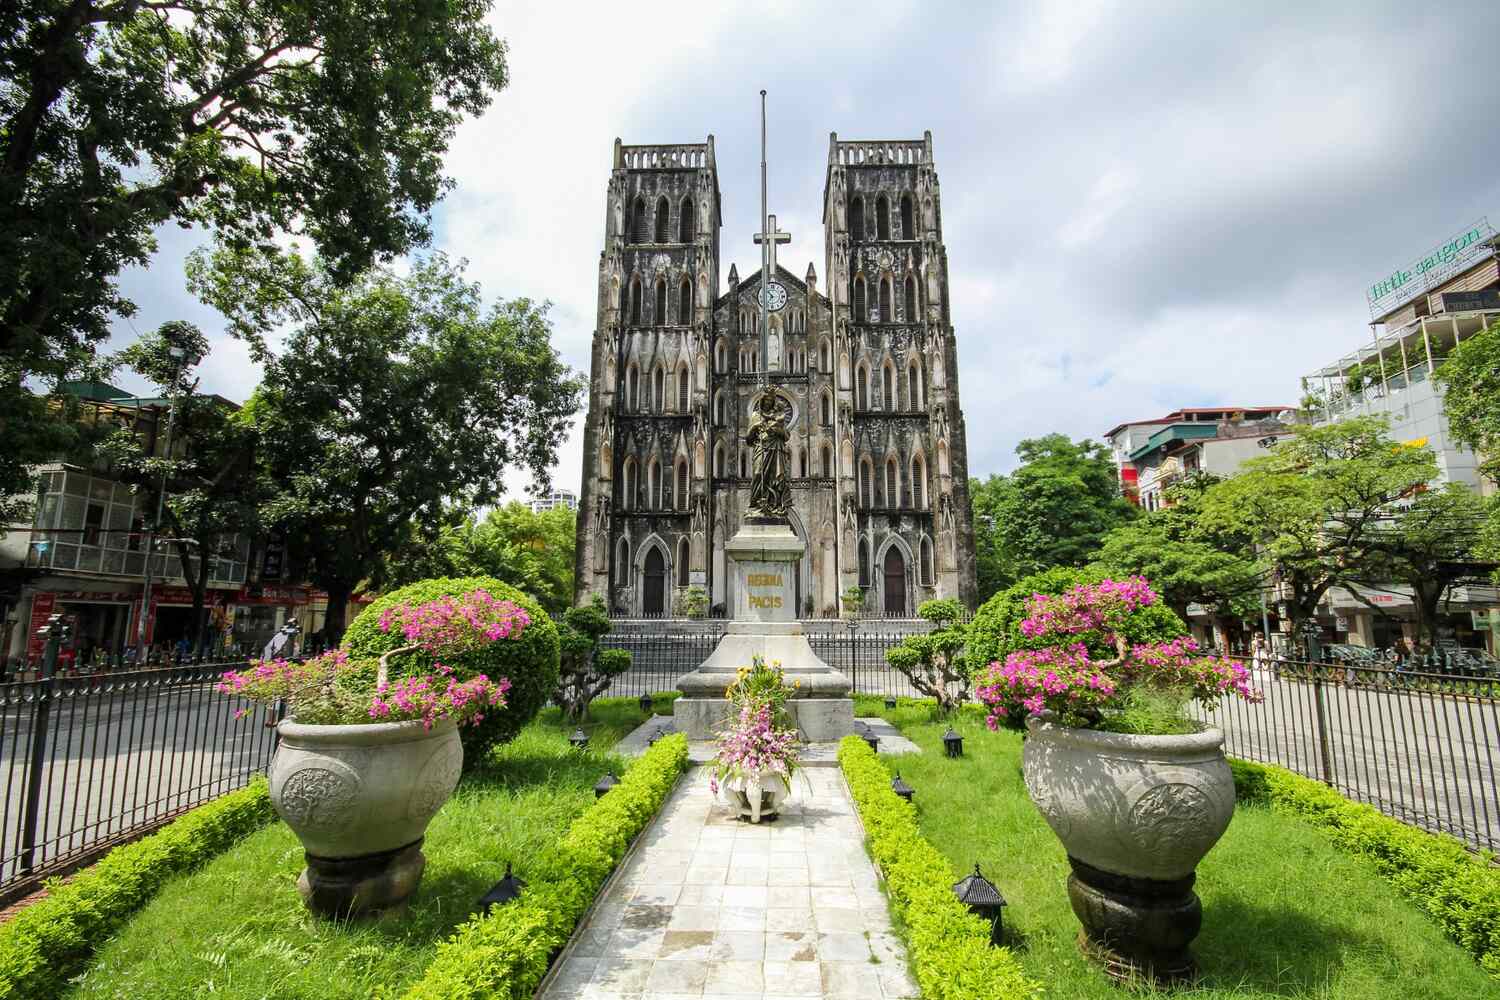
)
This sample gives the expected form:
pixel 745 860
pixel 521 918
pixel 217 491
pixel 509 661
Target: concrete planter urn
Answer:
pixel 359 797
pixel 755 797
pixel 1136 814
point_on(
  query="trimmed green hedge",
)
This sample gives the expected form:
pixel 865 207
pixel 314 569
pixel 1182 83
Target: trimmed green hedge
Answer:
pixel 1433 871
pixel 50 940
pixel 950 947
pixel 505 954
pixel 530 662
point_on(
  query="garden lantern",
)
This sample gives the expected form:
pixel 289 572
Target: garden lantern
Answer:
pixel 953 744
pixel 890 701
pixel 901 788
pixel 604 784
pixel 503 891
pixel 862 730
pixel 647 705
pixel 579 739
pixel 983 900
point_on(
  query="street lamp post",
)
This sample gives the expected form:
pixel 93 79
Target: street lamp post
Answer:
pixel 183 359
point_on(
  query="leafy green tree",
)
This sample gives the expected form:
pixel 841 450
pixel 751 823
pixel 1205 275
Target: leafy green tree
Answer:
pixel 1317 502
pixel 209 508
pixel 993 569
pixel 1169 548
pixel 586 671
pixel 933 661
pixel 395 398
pixel 249 119
pixel 1470 376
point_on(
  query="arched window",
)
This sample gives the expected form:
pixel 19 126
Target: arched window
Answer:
pixel 658 390
pixel 862 387
pixel 638 222
pixel 719 460
pixel 719 408
pixel 682 561
pixel 882 218
pixel 659 303
pixel 913 388
pixel 908 220
pixel 864 562
pixel 627 496
pixel 653 484
pixel 909 300
pixel 918 485
pixel 721 357
pixel 859 299
pixel 743 474
pixel 632 385
pixel 685 303
pixel 663 219
pixel 635 302
pixel 926 561
pixel 682 485
pixel 892 485
pixel 866 483
pixel 888 384
pixel 885 300
pixel 826 408
pixel 802 464
pixel 827 462
pixel 825 356
pixel 856 217
pixel 685 222
pixel 622 563
pixel 682 389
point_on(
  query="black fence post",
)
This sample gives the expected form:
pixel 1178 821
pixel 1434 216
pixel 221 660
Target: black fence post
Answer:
pixel 1325 753
pixel 39 720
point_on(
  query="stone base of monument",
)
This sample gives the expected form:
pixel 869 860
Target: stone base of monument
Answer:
pixel 764 554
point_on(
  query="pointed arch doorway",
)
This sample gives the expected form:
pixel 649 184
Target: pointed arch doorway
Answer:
pixel 895 584
pixel 654 589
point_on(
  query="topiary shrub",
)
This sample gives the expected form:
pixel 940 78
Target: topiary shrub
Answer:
pixel 530 662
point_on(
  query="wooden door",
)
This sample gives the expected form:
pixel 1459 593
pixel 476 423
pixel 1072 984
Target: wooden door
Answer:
pixel 895 583
pixel 654 596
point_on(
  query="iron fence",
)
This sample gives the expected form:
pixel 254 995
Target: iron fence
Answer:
pixel 1419 746
pixel 96 759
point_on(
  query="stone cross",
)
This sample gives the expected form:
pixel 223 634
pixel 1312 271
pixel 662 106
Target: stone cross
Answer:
pixel 768 240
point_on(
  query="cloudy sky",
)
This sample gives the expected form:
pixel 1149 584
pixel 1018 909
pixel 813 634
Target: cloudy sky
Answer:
pixel 1146 206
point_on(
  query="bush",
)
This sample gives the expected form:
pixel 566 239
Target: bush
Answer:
pixel 950 947
pixel 530 662
pixel 933 661
pixel 1433 871
pixel 585 671
pixel 505 954
pixel 50 940
pixel 995 631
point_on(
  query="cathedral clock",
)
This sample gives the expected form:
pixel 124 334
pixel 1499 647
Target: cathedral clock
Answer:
pixel 774 296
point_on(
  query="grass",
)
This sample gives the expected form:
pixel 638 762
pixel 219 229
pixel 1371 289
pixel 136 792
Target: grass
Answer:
pixel 1285 914
pixel 237 928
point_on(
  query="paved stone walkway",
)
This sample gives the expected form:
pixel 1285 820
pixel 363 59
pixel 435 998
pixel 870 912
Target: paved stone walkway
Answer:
pixel 812 754
pixel 710 906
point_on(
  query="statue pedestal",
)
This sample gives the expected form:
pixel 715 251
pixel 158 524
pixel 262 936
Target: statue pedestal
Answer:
pixel 764 554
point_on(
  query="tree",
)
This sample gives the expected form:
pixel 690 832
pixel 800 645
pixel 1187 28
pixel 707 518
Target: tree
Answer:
pixel 1315 504
pixel 395 398
pixel 933 662
pixel 1470 377
pixel 1052 511
pixel 586 670
pixel 1168 547
pixel 248 119
pixel 209 506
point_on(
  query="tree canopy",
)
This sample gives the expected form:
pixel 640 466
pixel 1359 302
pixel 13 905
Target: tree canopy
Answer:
pixel 1470 377
pixel 248 119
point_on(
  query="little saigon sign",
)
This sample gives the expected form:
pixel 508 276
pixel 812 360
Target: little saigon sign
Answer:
pixel 1432 268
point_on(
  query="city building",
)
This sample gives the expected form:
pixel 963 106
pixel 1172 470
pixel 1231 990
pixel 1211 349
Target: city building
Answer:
pixel 878 454
pixel 84 556
pixel 554 499
pixel 1150 455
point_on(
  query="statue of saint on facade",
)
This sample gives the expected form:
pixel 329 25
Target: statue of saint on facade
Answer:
pixel 770 484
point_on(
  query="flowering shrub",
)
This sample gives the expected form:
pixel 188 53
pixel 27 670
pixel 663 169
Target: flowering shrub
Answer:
pixel 756 742
pixel 336 689
pixel 1082 668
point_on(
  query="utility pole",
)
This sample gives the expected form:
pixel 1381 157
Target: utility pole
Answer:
pixel 161 496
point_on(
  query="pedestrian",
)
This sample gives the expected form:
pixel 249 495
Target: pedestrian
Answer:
pixel 1260 653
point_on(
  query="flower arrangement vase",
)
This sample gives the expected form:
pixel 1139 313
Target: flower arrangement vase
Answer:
pixel 359 798
pixel 1136 814
pixel 755 797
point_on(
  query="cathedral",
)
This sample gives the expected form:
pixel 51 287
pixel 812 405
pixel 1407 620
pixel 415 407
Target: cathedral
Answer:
pixel 880 491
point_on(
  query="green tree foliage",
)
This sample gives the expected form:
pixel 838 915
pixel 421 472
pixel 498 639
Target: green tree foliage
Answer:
pixel 530 662
pixel 933 661
pixel 248 119
pixel 1315 504
pixel 1185 563
pixel 395 398
pixel 586 671
pixel 1470 377
pixel 1052 511
pixel 209 509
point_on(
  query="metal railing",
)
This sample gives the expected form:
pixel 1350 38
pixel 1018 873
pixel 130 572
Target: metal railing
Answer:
pixel 93 760
pixel 1420 746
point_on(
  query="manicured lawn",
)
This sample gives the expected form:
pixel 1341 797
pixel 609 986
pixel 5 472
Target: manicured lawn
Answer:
pixel 237 928
pixel 1285 914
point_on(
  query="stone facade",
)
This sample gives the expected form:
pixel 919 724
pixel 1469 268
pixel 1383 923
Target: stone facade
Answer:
pixel 878 458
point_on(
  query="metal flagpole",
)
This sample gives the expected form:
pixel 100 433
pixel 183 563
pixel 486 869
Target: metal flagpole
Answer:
pixel 765 253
